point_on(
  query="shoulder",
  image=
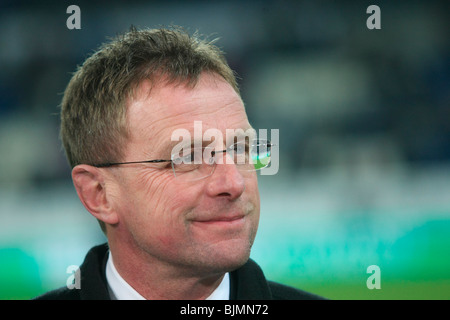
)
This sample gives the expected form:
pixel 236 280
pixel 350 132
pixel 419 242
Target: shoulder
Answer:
pixel 60 294
pixel 283 292
pixel 93 284
pixel 249 283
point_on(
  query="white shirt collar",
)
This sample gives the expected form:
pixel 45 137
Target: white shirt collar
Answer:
pixel 119 289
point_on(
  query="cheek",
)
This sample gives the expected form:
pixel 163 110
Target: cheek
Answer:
pixel 161 195
pixel 251 189
pixel 161 205
pixel 151 189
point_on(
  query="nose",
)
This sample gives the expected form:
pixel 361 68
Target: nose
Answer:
pixel 226 181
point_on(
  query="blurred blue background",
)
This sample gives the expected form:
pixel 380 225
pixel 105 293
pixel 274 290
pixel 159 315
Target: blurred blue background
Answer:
pixel 363 115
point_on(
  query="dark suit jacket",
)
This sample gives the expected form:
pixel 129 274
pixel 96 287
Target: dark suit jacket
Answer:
pixel 246 283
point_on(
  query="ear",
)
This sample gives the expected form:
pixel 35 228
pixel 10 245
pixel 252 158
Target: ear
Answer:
pixel 91 188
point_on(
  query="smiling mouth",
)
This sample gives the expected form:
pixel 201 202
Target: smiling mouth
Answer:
pixel 234 218
pixel 222 221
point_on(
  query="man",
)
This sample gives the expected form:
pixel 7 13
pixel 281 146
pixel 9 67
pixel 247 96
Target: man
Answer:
pixel 176 228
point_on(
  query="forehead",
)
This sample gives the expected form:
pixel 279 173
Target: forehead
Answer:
pixel 156 112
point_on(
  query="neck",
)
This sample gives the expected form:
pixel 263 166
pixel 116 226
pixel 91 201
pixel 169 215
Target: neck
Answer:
pixel 159 280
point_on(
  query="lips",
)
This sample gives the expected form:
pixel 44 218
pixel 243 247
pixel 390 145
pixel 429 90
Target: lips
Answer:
pixel 224 222
pixel 227 218
pixel 234 217
pixel 220 218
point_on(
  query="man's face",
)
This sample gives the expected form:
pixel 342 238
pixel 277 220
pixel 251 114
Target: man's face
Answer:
pixel 204 225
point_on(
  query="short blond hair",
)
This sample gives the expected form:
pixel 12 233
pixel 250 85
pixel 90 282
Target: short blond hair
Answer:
pixel 93 109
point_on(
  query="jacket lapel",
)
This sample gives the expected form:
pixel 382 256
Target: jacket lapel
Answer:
pixel 249 283
pixel 93 276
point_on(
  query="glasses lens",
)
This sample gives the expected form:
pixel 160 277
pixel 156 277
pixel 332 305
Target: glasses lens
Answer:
pixel 199 163
pixel 261 156
pixel 193 164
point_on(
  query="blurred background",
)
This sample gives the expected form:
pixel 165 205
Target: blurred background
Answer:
pixel 364 175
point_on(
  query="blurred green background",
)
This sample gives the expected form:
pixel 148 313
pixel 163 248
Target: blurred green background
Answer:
pixel 364 176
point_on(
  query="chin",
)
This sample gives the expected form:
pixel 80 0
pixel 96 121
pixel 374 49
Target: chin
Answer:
pixel 226 258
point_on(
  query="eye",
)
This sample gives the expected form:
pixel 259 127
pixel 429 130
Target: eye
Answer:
pixel 195 156
pixel 239 148
pixel 168 165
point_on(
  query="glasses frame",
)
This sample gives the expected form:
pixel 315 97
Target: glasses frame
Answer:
pixel 111 164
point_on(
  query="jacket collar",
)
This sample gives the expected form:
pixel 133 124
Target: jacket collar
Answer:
pixel 249 283
pixel 93 276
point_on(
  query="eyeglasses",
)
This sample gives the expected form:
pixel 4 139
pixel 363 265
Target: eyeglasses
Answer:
pixel 191 164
